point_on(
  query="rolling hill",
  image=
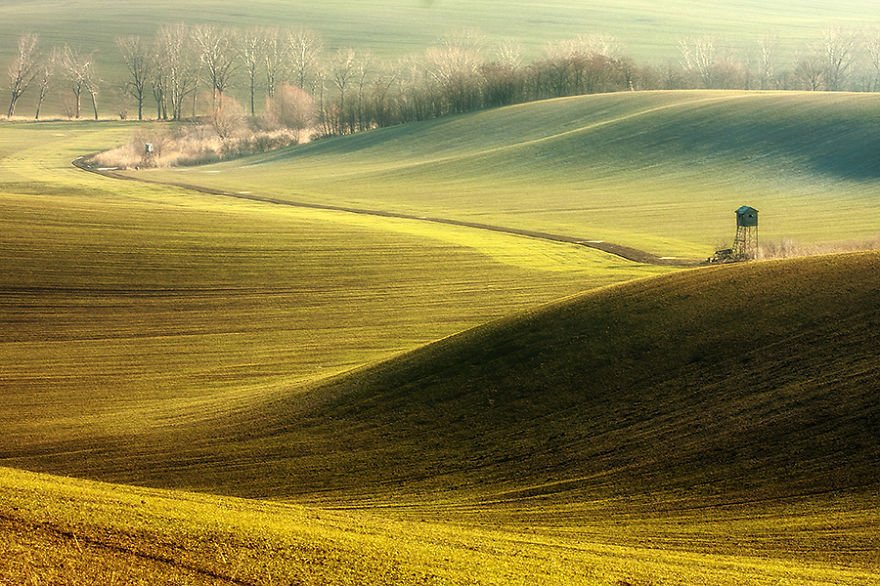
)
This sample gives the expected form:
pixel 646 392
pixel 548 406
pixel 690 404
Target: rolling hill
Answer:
pixel 725 384
pixel 724 415
pixel 658 171
pixel 126 306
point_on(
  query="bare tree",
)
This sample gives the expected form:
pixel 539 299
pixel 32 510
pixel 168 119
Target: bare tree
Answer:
pixel 22 70
pixel 810 73
pixel 698 56
pixel 218 55
pixel 766 60
pixel 343 73
pixel 45 71
pixel 176 63
pixel 362 72
pixel 455 68
pixel 79 72
pixel 838 49
pixel 305 48
pixel 276 55
pixel 251 46
pixel 136 55
pixel 503 77
pixel 873 45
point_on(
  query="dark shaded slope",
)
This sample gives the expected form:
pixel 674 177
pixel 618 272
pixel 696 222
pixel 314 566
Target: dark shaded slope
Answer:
pixel 743 382
pixel 722 385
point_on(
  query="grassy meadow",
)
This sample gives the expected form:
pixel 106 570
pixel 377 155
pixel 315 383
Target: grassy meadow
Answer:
pixel 490 458
pixel 395 29
pixel 126 535
pixel 658 171
pixel 129 306
pixel 204 389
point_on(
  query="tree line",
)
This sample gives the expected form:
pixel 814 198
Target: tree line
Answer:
pixel 353 91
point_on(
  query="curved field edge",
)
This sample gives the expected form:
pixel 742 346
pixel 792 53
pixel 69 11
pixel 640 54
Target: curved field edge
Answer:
pixel 78 532
pixel 127 306
pixel 657 171
pixel 709 387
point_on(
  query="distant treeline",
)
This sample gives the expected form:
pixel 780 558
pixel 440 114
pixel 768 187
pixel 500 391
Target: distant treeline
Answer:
pixel 353 91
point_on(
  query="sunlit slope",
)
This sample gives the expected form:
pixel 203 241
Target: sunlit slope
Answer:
pixel 657 171
pixel 64 531
pixel 714 386
pixel 126 307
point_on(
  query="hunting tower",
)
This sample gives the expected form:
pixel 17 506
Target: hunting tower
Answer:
pixel 745 245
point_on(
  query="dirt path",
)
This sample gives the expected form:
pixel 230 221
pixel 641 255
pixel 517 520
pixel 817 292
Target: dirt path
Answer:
pixel 625 252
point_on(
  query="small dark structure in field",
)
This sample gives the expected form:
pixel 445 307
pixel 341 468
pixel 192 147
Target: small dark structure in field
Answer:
pixel 745 244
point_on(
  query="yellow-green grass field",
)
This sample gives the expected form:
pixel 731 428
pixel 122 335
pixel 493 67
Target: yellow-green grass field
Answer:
pixel 714 426
pixel 63 531
pixel 658 171
pixel 708 451
pixel 130 307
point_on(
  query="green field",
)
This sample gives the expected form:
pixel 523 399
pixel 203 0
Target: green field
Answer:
pixel 659 171
pixel 392 29
pixel 405 27
pixel 491 458
pixel 131 306
pixel 289 395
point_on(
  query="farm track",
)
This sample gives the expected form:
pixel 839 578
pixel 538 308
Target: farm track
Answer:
pixel 619 250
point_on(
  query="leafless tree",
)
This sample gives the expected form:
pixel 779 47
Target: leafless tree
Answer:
pixel 809 73
pixel 503 76
pixel 454 67
pixel 136 56
pixel 305 49
pixel 276 55
pixel 79 69
pixel 177 65
pixel 873 46
pixel 23 69
pixel 699 56
pixel 767 47
pixel 343 72
pixel 251 46
pixel 385 111
pixel 362 73
pixel 44 73
pixel 838 49
pixel 218 55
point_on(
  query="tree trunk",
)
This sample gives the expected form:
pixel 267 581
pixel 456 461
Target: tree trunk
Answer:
pixel 40 103
pixel 94 97
pixel 253 91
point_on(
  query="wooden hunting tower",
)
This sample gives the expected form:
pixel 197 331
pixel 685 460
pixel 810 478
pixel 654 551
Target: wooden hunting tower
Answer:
pixel 745 245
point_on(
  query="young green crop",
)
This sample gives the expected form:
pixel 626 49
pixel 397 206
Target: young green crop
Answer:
pixel 658 171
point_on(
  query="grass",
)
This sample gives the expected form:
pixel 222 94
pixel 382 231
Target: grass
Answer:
pixel 124 535
pixel 398 28
pixel 126 307
pixel 706 426
pixel 520 452
pixel 659 171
